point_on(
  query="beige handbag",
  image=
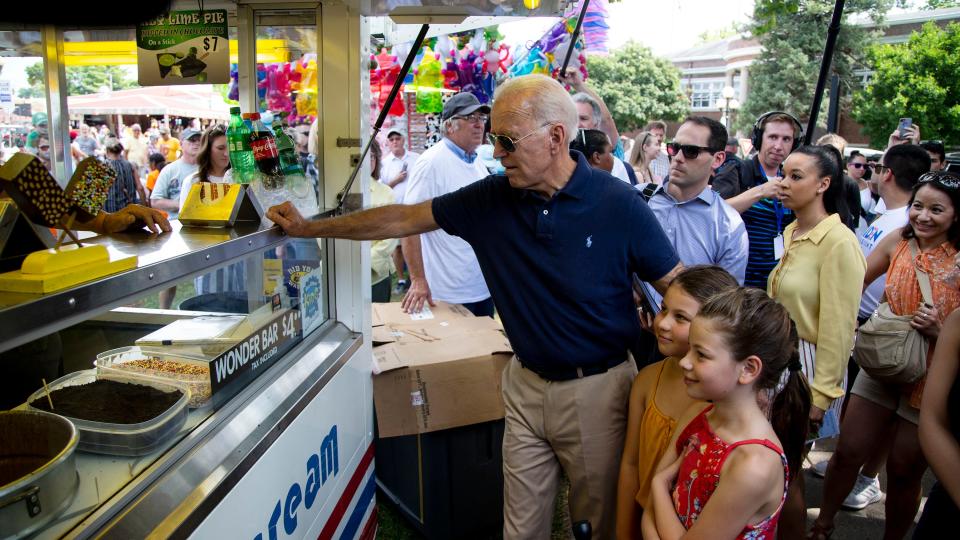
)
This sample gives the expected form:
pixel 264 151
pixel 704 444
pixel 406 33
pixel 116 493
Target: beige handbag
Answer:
pixel 887 347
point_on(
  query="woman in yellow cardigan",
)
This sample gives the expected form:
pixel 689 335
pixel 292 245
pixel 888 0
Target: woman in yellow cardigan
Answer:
pixel 818 279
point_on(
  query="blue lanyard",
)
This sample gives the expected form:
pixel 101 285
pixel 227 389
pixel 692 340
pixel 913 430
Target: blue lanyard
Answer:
pixel 777 205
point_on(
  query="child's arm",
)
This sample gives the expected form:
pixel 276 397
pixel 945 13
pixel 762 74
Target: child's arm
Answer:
pixel 629 483
pixel 647 527
pixel 664 514
pixel 746 482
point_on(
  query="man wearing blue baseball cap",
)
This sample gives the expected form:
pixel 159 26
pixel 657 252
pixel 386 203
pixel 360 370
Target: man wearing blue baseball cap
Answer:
pixel 442 266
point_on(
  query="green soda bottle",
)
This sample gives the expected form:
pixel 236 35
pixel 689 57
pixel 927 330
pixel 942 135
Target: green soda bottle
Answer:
pixel 241 156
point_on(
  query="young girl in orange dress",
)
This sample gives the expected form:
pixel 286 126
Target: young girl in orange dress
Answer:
pixel 658 396
pixel 727 473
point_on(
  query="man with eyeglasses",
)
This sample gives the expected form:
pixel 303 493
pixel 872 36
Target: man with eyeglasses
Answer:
pixel 558 241
pixel 442 266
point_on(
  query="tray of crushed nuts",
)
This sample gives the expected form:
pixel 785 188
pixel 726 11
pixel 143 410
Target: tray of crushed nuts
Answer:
pixel 192 372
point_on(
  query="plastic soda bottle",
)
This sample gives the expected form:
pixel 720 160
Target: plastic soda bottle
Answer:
pixel 288 154
pixel 265 154
pixel 238 141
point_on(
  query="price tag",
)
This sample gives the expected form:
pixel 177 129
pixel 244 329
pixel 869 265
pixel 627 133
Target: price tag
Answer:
pixel 184 47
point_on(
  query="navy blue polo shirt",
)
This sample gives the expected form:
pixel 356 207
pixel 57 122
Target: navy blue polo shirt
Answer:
pixel 559 270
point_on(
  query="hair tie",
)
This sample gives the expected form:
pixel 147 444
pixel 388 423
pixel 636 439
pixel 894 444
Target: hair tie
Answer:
pixel 794 365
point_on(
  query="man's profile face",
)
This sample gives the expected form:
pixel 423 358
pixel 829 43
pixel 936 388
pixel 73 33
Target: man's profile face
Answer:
pixel 776 143
pixel 935 163
pixel 659 134
pixel 585 116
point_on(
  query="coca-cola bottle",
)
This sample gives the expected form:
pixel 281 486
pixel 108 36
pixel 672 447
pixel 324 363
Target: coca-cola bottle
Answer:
pixel 265 154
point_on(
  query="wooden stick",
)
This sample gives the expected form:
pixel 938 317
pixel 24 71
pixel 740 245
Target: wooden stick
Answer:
pixel 47 390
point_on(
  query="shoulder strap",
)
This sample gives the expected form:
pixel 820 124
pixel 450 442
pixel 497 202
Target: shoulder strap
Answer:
pixel 648 191
pixel 922 278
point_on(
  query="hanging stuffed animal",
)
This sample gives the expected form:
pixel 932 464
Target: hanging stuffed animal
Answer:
pixel 429 81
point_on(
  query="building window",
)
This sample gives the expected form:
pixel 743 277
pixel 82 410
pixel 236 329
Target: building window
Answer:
pixel 865 77
pixel 706 93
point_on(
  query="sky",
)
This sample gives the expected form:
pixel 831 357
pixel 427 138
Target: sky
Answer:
pixel 665 26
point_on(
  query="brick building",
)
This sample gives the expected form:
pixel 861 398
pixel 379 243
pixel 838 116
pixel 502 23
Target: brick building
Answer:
pixel 707 69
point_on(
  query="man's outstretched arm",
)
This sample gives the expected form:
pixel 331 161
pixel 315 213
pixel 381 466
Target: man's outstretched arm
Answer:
pixel 392 221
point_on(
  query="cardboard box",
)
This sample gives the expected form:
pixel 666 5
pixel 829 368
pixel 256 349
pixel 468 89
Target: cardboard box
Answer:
pixel 392 313
pixel 434 385
pixel 431 330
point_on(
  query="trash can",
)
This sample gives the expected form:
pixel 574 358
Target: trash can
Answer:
pixel 447 484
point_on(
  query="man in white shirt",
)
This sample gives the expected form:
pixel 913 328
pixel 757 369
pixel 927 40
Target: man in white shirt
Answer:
pixel 442 266
pixel 660 166
pixel 395 168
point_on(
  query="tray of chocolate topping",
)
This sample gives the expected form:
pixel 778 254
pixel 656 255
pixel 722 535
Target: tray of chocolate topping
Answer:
pixel 116 414
pixel 164 366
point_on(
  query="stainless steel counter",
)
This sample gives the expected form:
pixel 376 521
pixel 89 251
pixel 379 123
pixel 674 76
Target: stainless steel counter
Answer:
pixel 163 260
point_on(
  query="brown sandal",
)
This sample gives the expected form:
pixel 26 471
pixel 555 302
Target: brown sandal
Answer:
pixel 819 532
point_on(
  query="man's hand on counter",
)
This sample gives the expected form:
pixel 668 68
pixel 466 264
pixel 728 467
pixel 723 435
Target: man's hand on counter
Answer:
pixel 289 219
pixel 154 220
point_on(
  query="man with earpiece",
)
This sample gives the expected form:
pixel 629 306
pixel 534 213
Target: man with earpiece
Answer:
pixel 753 189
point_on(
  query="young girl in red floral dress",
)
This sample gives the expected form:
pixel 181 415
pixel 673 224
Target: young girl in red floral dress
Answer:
pixel 726 476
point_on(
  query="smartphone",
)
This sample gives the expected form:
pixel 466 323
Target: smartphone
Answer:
pixel 646 303
pixel 403 168
pixel 903 126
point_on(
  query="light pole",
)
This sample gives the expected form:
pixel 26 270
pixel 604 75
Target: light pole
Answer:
pixel 728 104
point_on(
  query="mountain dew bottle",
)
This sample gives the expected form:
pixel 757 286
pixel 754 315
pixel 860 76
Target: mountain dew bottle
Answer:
pixel 241 156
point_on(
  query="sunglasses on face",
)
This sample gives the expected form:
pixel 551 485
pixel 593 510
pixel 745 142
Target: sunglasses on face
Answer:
pixel 945 179
pixel 858 165
pixel 878 168
pixel 690 151
pixel 510 145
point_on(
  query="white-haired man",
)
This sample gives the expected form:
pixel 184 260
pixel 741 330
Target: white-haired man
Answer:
pixel 442 266
pixel 557 241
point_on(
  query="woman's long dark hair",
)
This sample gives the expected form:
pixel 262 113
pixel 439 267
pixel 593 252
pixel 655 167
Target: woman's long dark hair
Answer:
pixel 755 324
pixel 933 179
pixel 829 163
pixel 204 161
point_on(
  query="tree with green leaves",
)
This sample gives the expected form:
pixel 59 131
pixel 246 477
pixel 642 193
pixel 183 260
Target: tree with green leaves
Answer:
pixel 919 79
pixel 81 80
pixel 637 86
pixel 792 34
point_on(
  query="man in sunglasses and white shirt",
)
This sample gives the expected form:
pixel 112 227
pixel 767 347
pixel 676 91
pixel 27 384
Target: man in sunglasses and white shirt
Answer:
pixel 442 266
pixel 558 242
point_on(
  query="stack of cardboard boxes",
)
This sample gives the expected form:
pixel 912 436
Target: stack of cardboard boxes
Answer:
pixel 436 369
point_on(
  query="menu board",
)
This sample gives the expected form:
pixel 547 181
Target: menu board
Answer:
pixel 184 47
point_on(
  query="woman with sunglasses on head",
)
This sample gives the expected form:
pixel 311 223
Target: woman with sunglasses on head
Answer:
pixel 818 279
pixel 645 150
pixel 213 162
pixel 933 230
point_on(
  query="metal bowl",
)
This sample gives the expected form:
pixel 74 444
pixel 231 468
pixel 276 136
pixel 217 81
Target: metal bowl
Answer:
pixel 38 472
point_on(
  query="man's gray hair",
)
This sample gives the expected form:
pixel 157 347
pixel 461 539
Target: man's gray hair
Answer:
pixel 548 101
pixel 582 97
pixel 448 126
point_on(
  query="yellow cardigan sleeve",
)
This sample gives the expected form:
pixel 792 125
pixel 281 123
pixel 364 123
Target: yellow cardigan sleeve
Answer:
pixel 841 280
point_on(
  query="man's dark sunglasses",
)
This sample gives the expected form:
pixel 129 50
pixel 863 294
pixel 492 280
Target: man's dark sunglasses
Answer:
pixel 690 151
pixel 945 179
pixel 510 145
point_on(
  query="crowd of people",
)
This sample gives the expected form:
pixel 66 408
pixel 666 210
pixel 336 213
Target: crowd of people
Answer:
pixel 736 286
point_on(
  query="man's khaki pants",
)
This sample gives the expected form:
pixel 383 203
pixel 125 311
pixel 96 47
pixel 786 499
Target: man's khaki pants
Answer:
pixel 578 425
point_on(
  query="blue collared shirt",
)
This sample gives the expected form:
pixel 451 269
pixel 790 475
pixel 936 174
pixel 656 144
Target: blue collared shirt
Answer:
pixel 559 270
pixel 703 230
pixel 460 152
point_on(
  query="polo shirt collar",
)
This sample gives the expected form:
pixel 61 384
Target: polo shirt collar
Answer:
pixel 708 195
pixel 817 234
pixel 579 184
pixel 459 152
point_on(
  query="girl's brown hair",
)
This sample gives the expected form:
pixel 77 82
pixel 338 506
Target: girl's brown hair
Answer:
pixel 754 324
pixel 204 161
pixel 703 281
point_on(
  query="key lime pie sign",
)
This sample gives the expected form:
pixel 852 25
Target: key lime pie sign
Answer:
pixel 184 47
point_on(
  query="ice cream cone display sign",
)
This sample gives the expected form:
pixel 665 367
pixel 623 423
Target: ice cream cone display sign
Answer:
pixel 184 47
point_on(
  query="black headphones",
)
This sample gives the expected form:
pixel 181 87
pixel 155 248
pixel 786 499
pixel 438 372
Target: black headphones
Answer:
pixel 758 127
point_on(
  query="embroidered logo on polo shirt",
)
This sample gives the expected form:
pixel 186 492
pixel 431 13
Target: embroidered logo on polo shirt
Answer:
pixel 590 240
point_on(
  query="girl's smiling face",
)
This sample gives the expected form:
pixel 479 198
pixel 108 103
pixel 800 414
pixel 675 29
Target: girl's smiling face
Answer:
pixel 709 369
pixel 672 323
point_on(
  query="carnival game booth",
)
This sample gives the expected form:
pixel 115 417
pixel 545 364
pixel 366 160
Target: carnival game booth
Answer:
pixel 204 424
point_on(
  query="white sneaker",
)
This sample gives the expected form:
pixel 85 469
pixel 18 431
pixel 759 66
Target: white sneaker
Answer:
pixel 864 493
pixel 820 469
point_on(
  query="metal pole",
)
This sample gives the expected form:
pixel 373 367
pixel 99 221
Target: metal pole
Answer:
pixel 574 37
pixel 417 43
pixel 832 33
pixel 833 108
